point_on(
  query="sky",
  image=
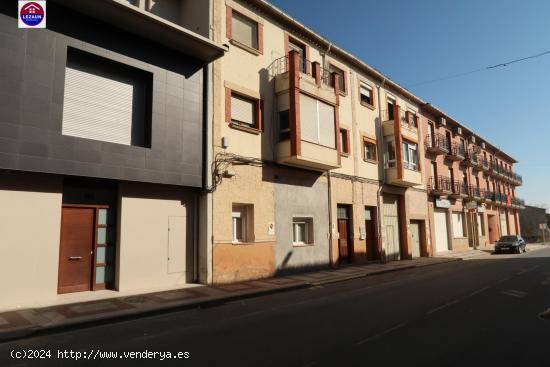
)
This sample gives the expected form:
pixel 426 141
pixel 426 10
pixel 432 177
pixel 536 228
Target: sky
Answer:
pixel 417 41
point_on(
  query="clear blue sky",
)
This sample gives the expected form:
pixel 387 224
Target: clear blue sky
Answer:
pixel 415 41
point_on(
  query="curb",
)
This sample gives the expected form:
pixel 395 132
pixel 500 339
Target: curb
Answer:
pixel 212 302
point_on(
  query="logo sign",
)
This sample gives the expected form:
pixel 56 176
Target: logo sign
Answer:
pixel 442 203
pixel 471 205
pixel 481 209
pixel 32 14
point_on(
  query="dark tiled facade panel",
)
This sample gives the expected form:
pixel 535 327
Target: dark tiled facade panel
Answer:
pixel 32 71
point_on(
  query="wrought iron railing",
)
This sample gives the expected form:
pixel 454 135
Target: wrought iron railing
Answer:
pixel 440 183
pixel 437 141
pixel 281 65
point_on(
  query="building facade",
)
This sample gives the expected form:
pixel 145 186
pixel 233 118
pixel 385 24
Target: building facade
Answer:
pixel 149 144
pixel 534 224
pixel 102 144
pixel 321 160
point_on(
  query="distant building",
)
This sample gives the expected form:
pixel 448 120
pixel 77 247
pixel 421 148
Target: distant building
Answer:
pixel 530 220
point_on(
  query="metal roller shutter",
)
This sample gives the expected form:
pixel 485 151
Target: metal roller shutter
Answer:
pixel 96 107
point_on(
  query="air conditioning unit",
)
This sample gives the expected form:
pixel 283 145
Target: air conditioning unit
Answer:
pixel 483 145
pixel 473 139
pixel 458 130
pixel 442 121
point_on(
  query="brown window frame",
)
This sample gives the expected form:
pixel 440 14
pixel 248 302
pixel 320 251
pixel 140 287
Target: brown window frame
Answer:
pixel 258 112
pixel 372 95
pixel 343 92
pixel 344 145
pixel 370 141
pixel 233 41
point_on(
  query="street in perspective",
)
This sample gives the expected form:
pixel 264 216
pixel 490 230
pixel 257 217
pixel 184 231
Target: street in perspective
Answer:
pixel 274 183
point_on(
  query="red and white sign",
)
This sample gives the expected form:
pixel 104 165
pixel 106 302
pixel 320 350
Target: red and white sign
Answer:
pixel 32 14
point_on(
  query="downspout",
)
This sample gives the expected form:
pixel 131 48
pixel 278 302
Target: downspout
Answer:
pixel 381 171
pixel 330 231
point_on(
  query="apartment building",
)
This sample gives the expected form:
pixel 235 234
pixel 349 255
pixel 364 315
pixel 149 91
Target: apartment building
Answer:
pixel 472 187
pixel 102 148
pixel 321 160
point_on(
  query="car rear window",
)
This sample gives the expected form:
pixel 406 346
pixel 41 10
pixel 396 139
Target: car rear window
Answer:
pixel 508 238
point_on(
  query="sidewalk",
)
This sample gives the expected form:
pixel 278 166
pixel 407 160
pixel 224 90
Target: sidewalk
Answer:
pixel 24 323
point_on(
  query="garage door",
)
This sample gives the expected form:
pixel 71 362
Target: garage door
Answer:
pixel 441 238
pixel 391 229
pixel 503 223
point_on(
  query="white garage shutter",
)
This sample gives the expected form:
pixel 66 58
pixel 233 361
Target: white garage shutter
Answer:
pixel 458 225
pixel 440 227
pixel 96 107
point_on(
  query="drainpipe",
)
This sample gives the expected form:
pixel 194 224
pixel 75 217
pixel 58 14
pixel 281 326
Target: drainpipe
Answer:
pixel 330 256
pixel 381 170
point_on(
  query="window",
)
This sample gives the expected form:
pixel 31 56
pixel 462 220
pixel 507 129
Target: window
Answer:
pixel 243 111
pixel 242 221
pixel 369 150
pixel 342 78
pixel 344 141
pixel 458 225
pixel 106 100
pixel 480 225
pixel 390 154
pixel 391 107
pixel 301 49
pixel 284 125
pixel 410 158
pixel 317 122
pixel 302 231
pixel 244 30
pixel 366 94
pixel 411 119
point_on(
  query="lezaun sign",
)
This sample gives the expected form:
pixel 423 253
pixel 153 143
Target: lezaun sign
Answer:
pixel 471 205
pixel 442 203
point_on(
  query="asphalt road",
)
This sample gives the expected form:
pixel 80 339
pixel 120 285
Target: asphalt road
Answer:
pixel 468 313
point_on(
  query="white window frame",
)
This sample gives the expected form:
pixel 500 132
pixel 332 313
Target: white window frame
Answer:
pixel 363 85
pixel 242 215
pixel 410 150
pixel 390 162
pixel 305 222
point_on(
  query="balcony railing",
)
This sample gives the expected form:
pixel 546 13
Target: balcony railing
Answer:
pixel 484 163
pixel 489 196
pixel 437 143
pixel 460 189
pixel 456 152
pixel 281 66
pixel 440 185
pixel 518 202
pixel 474 192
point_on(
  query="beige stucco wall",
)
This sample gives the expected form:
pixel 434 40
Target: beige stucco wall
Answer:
pixel 143 235
pixel 29 237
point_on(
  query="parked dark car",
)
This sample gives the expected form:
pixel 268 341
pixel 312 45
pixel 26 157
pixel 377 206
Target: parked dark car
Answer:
pixel 510 244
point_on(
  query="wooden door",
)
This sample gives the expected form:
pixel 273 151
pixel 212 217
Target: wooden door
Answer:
pixel 343 241
pixel 76 249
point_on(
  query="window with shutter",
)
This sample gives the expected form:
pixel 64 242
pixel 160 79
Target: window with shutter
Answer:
pixel 244 30
pixel 105 100
pixel 317 122
pixel 243 111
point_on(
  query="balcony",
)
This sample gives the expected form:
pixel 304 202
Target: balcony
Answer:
pixel 409 129
pixel 182 25
pixel 460 190
pixel 489 196
pixel 518 203
pixel 499 199
pixel 471 159
pixel 308 110
pixel 437 144
pixel 456 152
pixel 517 180
pixel 410 176
pixel 485 166
pixel 440 185
pixel 474 193
pixel 313 79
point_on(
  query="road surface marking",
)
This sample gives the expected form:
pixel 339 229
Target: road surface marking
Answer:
pixel 478 291
pixel 310 364
pixel 504 280
pixel 381 334
pixel 513 293
pixel 442 307
pixel 528 270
